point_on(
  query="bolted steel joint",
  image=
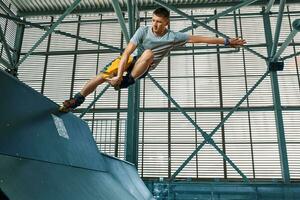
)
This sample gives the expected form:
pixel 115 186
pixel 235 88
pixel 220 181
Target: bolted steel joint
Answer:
pixel 276 65
pixel 208 139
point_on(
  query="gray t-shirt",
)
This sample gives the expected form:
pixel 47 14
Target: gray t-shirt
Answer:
pixel 160 46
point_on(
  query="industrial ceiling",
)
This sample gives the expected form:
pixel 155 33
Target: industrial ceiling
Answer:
pixel 53 7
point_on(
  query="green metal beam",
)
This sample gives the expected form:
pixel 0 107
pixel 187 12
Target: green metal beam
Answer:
pixel 280 128
pixel 118 11
pixel 205 53
pixel 269 6
pixel 94 101
pixel 199 23
pixel 278 28
pixel 180 49
pixel 55 53
pixel 207 138
pixel 192 109
pixel 51 29
pixel 131 17
pixel 46 28
pixel 221 14
pixel 296 29
pixel 18 42
pixel 291 56
pixel 277 105
pixel 132 138
pixel 219 125
pixel 5 63
pixel 6 9
pixel 6 48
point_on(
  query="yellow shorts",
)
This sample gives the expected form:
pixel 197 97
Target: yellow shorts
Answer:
pixel 111 69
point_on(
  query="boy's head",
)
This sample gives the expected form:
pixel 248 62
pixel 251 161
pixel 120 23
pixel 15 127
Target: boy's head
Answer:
pixel 160 20
pixel 162 12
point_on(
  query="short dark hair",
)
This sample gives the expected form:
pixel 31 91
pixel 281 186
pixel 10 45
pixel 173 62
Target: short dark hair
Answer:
pixel 162 12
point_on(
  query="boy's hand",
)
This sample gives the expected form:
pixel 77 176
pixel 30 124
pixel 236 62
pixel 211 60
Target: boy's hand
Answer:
pixel 114 81
pixel 237 42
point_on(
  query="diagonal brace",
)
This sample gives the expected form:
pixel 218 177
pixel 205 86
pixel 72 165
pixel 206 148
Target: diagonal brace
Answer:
pixel 116 6
pixel 6 9
pixel 219 125
pixel 278 27
pixel 199 23
pixel 46 28
pixel 68 11
pixel 269 6
pixel 221 14
pixel 207 138
pixel 94 101
pixel 6 47
pixel 296 29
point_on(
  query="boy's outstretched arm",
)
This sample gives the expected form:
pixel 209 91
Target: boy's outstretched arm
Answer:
pixel 234 42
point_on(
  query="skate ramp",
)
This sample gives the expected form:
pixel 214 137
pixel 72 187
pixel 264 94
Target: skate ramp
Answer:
pixel 45 154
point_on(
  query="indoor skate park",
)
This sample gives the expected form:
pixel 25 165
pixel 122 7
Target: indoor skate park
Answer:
pixel 211 122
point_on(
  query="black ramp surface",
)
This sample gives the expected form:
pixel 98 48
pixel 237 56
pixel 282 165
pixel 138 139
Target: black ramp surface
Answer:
pixel 31 127
pixel 127 175
pixel 46 155
pixel 23 179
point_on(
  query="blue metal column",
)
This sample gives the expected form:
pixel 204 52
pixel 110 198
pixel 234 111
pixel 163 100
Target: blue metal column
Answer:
pixel 132 128
pixel 118 11
pixel 6 47
pixel 276 100
pixel 18 42
pixel 132 142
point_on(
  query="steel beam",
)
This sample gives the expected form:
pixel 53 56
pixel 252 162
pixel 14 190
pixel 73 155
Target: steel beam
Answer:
pixel 278 28
pixel 131 17
pixel 68 11
pixel 94 101
pixel 118 11
pixel 6 48
pixel 296 29
pixel 6 9
pixel 221 14
pixel 95 51
pixel 199 23
pixel 269 6
pixel 46 28
pixel 291 56
pixel 205 53
pixel 5 63
pixel 219 125
pixel 18 42
pixel 191 109
pixel 207 138
pixel 132 137
pixel 277 106
pixel 280 128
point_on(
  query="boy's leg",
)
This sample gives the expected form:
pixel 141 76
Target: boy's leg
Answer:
pixel 139 69
pixel 142 64
pixel 108 71
pixel 92 84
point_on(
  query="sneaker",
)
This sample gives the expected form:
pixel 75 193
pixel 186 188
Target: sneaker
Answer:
pixel 72 103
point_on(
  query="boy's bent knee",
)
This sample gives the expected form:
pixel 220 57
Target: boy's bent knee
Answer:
pixel 148 54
